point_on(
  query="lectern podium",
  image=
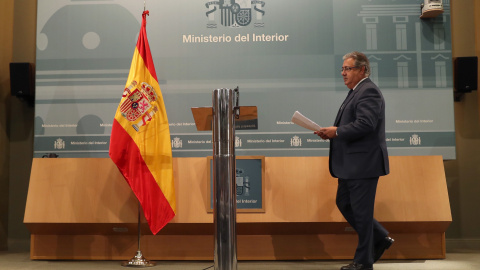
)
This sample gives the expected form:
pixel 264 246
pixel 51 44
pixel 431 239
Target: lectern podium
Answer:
pixel 222 119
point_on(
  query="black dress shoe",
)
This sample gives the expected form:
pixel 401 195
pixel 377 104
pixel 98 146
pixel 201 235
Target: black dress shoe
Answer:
pixel 356 266
pixel 381 247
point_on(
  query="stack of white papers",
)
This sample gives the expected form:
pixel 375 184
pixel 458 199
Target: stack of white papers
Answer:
pixel 304 122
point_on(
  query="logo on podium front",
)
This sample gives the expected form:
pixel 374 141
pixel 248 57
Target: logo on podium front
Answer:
pixel 295 141
pixel 238 141
pixel 177 143
pixel 59 144
pixel 415 140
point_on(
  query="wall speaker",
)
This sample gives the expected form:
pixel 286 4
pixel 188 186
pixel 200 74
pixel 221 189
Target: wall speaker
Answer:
pixel 466 71
pixel 22 80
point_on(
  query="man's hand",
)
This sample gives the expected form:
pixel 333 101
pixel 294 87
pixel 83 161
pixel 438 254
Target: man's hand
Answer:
pixel 327 133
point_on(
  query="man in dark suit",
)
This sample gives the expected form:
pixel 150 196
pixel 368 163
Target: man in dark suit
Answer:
pixel 358 157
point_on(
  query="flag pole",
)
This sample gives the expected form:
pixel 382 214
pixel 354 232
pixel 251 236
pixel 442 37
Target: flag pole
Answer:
pixel 157 204
pixel 138 260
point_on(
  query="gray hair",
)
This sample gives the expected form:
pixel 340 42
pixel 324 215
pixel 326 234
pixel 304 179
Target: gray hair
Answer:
pixel 361 60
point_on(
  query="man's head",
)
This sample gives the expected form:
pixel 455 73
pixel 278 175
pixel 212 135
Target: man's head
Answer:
pixel 355 68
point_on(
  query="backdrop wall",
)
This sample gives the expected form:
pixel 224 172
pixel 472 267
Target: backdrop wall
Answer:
pixel 464 172
pixel 284 56
pixel 18 46
pixel 6 23
pixel 461 173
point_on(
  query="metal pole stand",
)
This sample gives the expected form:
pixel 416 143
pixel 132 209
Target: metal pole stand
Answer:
pixel 138 260
pixel 222 119
pixel 225 102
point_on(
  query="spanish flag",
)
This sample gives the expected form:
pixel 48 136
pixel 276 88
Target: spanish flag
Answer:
pixel 140 143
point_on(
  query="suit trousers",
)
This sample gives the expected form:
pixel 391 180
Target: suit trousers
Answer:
pixel 356 201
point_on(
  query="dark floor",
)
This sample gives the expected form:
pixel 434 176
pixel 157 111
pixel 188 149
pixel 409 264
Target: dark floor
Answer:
pixel 458 260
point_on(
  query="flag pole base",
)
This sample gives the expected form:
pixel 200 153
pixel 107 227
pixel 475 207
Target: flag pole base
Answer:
pixel 138 261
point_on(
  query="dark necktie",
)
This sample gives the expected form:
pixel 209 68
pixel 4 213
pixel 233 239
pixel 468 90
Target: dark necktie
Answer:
pixel 349 92
pixel 337 119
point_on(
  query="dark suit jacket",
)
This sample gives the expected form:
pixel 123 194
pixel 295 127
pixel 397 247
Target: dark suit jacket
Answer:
pixel 360 150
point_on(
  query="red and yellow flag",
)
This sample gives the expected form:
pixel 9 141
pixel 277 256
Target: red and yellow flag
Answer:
pixel 140 143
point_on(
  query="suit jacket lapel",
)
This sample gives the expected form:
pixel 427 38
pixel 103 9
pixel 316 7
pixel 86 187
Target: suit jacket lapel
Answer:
pixel 347 100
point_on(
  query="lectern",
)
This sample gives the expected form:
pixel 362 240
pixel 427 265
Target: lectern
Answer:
pixel 222 119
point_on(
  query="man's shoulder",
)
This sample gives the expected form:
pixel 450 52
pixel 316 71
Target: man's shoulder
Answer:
pixel 367 84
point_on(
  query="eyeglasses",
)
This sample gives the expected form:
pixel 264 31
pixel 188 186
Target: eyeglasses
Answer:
pixel 348 68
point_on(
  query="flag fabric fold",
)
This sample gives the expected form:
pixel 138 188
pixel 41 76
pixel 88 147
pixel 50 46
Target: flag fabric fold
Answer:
pixel 140 142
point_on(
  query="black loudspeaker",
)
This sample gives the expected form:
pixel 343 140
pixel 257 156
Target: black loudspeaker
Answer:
pixel 21 80
pixel 466 70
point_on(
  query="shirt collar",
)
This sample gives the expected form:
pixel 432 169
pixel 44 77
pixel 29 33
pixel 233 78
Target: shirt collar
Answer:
pixel 359 82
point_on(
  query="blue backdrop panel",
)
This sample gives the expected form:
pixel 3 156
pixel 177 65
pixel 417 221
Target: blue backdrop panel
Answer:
pixel 284 56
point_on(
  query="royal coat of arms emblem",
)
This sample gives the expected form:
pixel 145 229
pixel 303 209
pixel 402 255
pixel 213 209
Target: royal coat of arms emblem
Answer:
pixel 139 104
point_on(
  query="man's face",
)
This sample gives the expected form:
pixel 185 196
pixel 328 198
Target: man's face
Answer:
pixel 353 76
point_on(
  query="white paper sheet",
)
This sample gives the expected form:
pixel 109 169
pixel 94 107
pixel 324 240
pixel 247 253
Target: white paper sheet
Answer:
pixel 304 122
